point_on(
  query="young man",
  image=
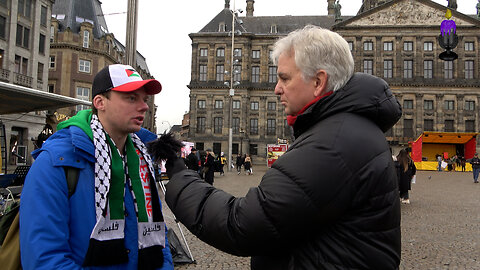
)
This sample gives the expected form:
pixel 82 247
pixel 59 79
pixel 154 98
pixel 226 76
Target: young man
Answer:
pixel 331 201
pixel 114 217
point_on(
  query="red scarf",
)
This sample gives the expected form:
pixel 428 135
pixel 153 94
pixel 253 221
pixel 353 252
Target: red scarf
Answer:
pixel 292 118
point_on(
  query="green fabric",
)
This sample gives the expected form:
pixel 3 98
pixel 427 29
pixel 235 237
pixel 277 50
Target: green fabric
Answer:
pixel 82 120
pixel 133 164
pixel 117 184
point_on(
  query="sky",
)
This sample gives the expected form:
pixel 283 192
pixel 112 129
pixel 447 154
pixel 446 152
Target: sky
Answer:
pixel 162 37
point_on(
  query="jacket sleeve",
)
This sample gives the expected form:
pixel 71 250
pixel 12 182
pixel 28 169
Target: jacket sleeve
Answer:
pixel 268 218
pixel 43 218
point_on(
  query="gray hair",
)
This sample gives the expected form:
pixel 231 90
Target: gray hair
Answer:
pixel 316 48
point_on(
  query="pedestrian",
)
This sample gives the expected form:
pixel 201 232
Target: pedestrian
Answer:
pixel 439 160
pixel 454 162
pixel 209 167
pixel 475 161
pixel 239 163
pixel 223 161
pixel 331 201
pixel 248 165
pixel 114 217
pixel 462 163
pixel 405 172
pixel 191 161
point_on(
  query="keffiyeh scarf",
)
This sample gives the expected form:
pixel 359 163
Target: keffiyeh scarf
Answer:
pixel 112 172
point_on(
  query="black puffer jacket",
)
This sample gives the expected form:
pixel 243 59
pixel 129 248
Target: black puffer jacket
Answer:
pixel 330 202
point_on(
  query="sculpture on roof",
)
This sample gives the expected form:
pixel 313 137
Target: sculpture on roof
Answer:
pixel 452 4
pixel 478 9
pixel 227 3
pixel 337 8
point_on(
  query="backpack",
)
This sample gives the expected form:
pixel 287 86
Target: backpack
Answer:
pixel 10 226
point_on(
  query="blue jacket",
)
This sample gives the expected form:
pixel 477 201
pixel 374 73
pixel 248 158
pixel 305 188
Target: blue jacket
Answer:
pixel 55 230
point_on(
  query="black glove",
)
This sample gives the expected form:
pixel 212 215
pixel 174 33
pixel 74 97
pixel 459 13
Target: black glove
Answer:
pixel 174 165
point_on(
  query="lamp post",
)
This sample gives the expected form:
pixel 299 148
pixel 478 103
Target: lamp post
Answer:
pixel 231 84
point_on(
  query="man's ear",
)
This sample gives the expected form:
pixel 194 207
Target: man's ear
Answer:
pixel 99 102
pixel 321 79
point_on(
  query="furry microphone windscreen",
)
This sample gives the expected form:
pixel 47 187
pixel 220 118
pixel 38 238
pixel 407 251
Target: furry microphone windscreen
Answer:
pixel 165 147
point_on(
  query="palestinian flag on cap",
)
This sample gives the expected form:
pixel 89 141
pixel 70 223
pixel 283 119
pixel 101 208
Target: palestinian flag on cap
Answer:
pixel 132 72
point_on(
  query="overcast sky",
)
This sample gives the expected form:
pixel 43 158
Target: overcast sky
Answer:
pixel 162 37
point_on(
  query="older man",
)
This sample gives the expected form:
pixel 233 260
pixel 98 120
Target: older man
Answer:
pixel 331 201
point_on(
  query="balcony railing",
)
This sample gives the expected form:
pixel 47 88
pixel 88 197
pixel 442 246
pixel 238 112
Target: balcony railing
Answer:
pixel 22 80
pixel 4 75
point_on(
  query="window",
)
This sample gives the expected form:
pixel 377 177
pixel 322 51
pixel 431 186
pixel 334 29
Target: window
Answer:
pixel 221 52
pixel 83 93
pixel 449 104
pixel 51 62
pixel 469 125
pixel 388 68
pixel 86 38
pixel 3 26
pixel 428 125
pixel 24 7
pixel 407 69
pixel 271 126
pixel 272 74
pixel 200 124
pixel 428 104
pixel 203 52
pixel 254 105
pixel 469 46
pixel 237 52
pixel 408 104
pixel 235 125
pixel 388 46
pixel 449 126
pixel 217 125
pixel 448 68
pixel 428 46
pixel 237 73
pixel 368 66
pixel 256 54
pixel 368 46
pixel 428 69
pixel 220 73
pixel 350 45
pixel 236 104
pixel 3 3
pixel 2 56
pixel 17 145
pixel 43 16
pixel 21 65
pixel 271 106
pixel 470 105
pixel 40 71
pixel 202 104
pixel 84 66
pixel 217 148
pixel 408 46
pixel 253 149
pixel 408 128
pixel 23 36
pixel 52 35
pixel 51 88
pixel 41 44
pixel 469 69
pixel 221 27
pixel 202 73
pixel 218 104
pixel 273 28
pixel 253 126
pixel 255 74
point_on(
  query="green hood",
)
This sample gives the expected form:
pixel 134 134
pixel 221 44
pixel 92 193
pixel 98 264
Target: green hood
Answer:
pixel 82 120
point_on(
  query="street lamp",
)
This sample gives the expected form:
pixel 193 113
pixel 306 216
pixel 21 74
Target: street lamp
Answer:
pixel 232 84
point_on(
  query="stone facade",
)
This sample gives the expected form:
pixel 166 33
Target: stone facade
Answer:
pixel 24 50
pixel 394 40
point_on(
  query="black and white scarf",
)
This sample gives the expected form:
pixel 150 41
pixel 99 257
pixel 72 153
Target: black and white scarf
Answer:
pixel 106 245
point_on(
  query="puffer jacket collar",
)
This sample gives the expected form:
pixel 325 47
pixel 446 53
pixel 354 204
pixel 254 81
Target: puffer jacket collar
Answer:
pixel 364 95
